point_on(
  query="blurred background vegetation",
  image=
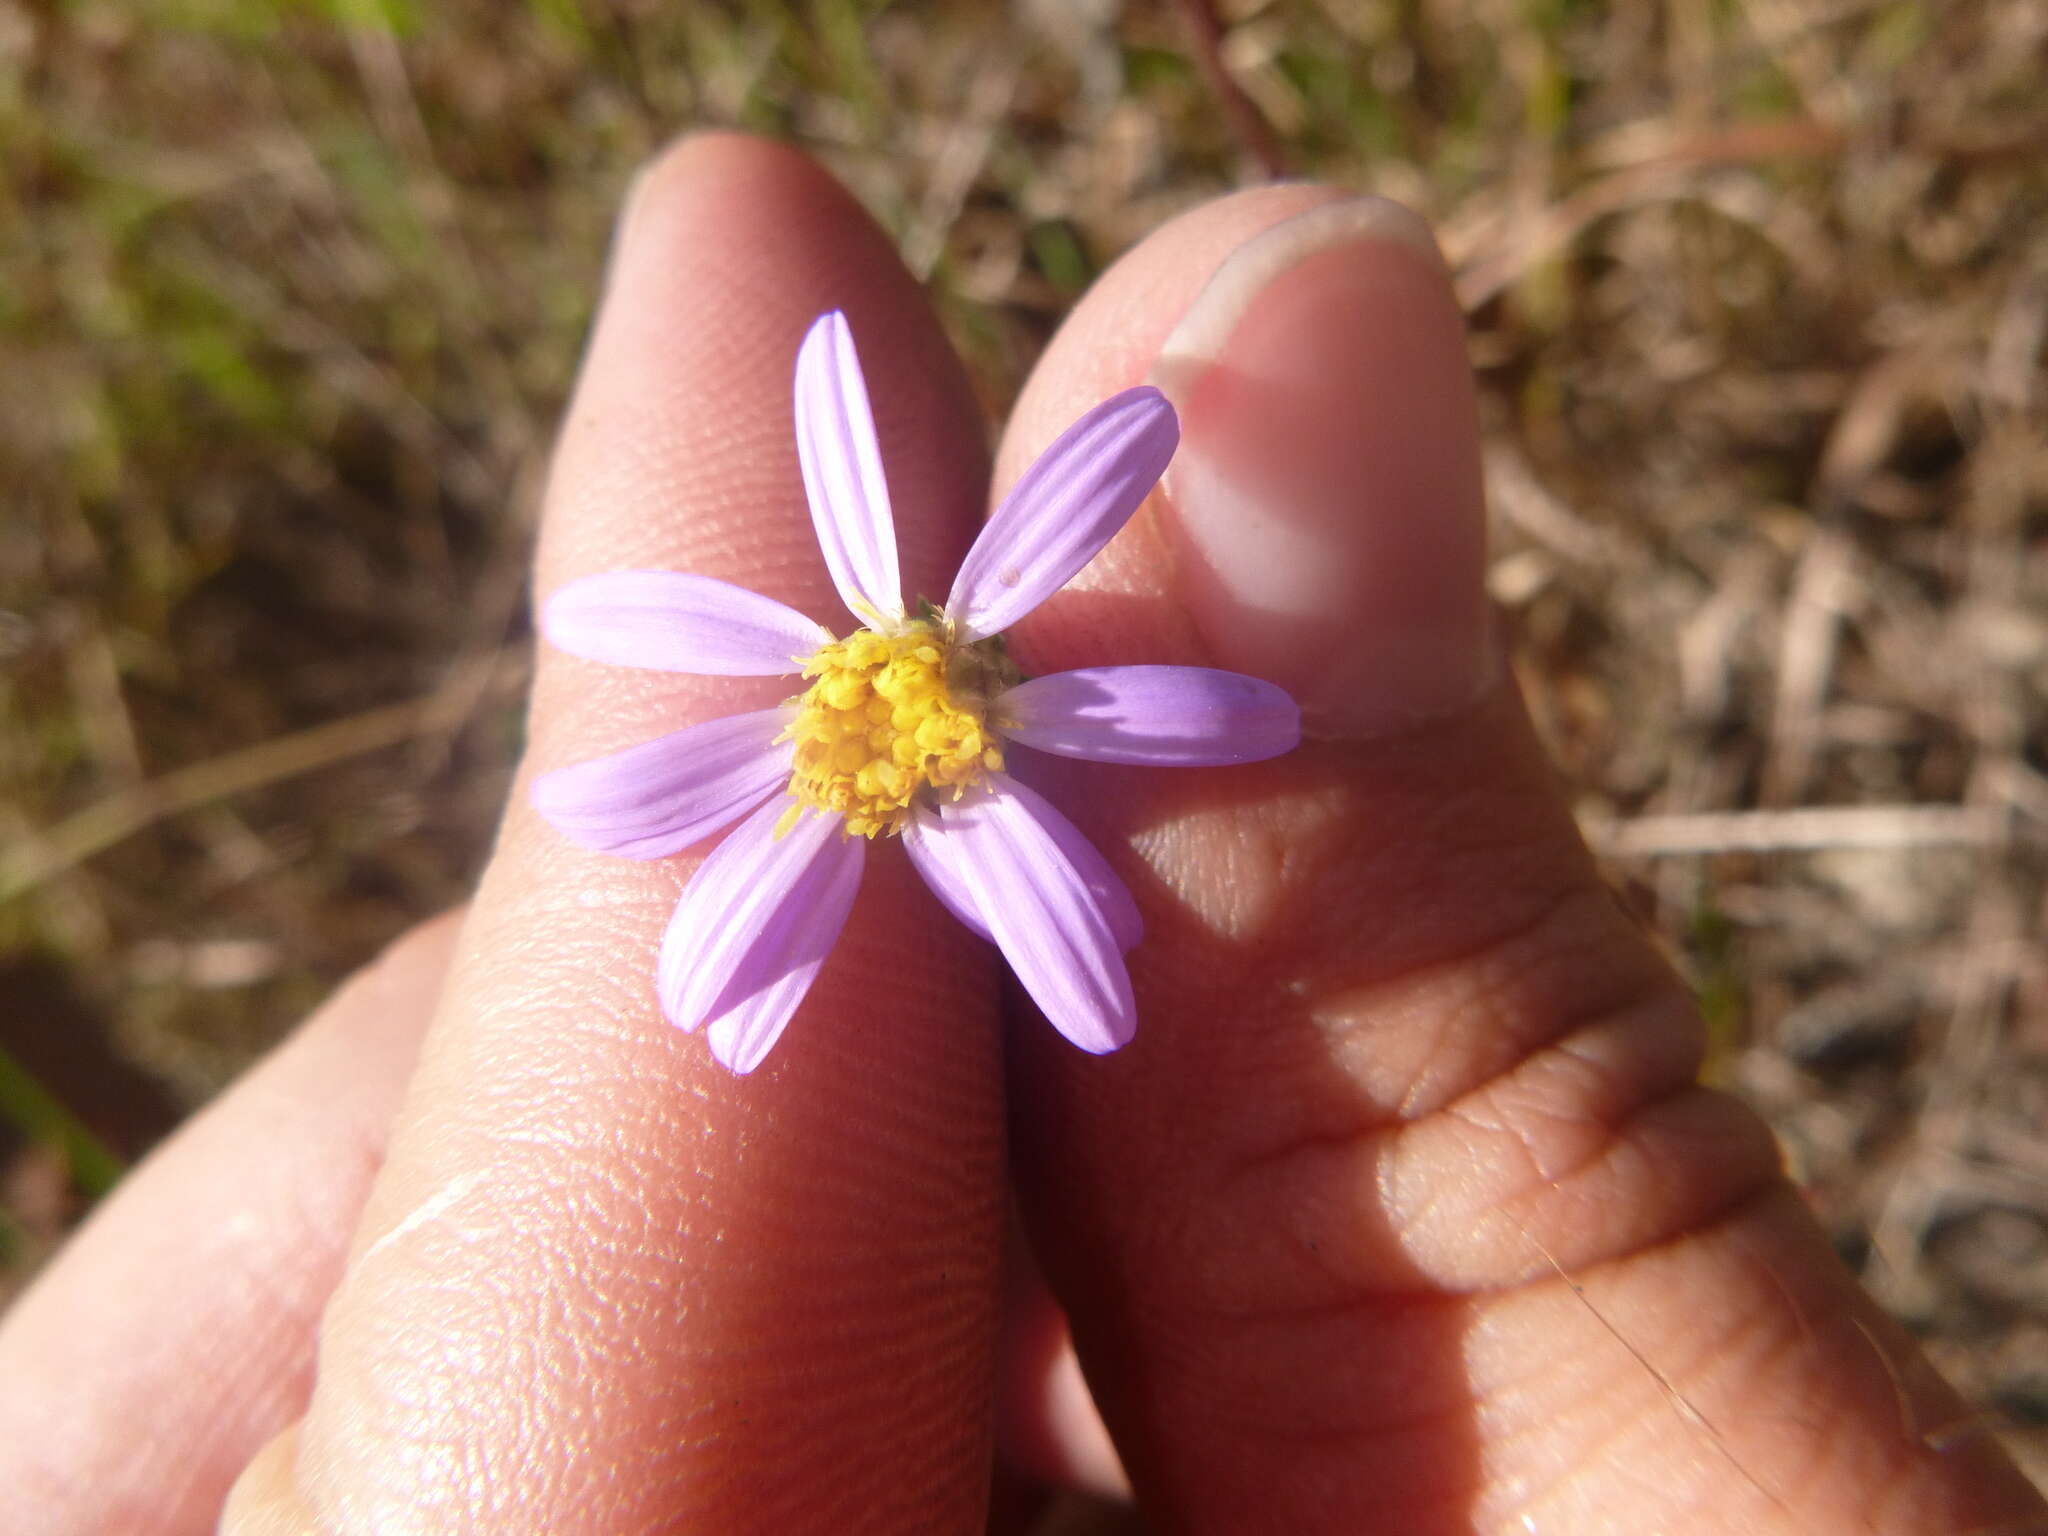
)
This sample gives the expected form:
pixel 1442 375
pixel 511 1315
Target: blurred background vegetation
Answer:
pixel 291 294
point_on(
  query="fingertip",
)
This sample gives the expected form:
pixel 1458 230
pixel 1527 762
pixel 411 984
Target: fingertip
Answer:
pixel 1266 255
pixel 1323 523
pixel 707 161
pixel 678 451
pixel 1326 511
pixel 1110 340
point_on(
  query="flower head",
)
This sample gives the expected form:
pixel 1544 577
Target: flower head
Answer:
pixel 890 716
pixel 902 729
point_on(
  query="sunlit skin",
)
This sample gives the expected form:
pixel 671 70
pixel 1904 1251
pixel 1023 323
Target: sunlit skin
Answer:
pixel 1402 1213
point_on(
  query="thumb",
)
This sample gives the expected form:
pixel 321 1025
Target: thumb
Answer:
pixel 1405 1210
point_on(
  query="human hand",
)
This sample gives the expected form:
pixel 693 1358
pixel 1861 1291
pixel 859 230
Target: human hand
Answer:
pixel 1402 1212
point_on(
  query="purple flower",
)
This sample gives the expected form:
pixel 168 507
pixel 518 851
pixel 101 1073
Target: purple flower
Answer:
pixel 902 730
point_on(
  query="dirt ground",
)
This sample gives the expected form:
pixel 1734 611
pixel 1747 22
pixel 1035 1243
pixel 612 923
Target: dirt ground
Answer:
pixel 290 296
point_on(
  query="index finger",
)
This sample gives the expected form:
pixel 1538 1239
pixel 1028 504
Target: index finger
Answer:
pixel 602 1284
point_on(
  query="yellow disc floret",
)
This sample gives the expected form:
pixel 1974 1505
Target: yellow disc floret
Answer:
pixel 888 715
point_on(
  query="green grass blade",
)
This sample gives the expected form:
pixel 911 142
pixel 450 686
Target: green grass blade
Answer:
pixel 41 1116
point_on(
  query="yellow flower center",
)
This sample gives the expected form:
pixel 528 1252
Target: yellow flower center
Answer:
pixel 888 715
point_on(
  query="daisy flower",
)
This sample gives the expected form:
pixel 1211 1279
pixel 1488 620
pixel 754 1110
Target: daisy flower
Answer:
pixel 904 729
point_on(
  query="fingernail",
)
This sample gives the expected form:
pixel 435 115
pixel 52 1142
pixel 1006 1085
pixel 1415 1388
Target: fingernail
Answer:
pixel 1326 507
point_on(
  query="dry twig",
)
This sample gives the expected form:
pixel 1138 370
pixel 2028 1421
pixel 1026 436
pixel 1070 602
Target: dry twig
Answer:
pixel 123 814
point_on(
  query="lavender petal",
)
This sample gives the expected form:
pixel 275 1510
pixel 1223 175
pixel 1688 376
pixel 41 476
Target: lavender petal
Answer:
pixel 1047 922
pixel 741 928
pixel 1159 716
pixel 936 859
pixel 661 796
pixel 842 465
pixel 758 1003
pixel 1065 508
pixel 932 856
pixel 671 621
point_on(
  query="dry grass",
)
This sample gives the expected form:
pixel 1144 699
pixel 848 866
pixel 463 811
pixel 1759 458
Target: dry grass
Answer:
pixel 290 296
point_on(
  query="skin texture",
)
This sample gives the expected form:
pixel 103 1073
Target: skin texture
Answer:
pixel 1406 1207
pixel 670 1298
pixel 1403 1064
